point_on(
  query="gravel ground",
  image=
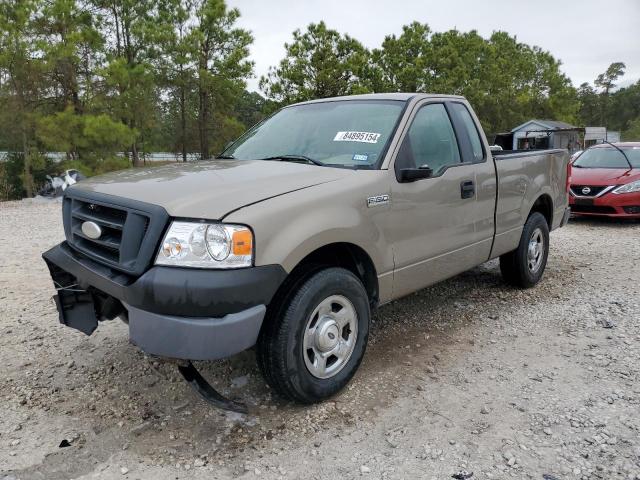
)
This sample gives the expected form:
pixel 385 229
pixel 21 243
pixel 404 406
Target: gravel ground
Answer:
pixel 468 375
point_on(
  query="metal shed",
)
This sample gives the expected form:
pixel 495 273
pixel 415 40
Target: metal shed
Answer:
pixel 546 134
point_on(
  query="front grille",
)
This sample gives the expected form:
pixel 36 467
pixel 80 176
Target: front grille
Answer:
pixel 592 209
pixel 130 230
pixel 112 223
pixel 593 190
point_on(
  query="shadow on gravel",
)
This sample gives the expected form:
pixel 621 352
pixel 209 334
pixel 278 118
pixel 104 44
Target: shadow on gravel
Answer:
pixel 129 400
pixel 605 221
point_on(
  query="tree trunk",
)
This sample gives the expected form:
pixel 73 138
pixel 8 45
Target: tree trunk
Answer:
pixel 203 113
pixel 203 119
pixel 27 180
pixel 603 108
pixel 183 124
pixel 115 16
pixel 135 158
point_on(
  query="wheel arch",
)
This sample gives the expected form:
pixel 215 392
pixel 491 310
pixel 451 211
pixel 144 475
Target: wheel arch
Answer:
pixel 338 254
pixel 346 255
pixel 543 205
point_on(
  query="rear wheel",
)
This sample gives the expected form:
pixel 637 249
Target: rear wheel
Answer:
pixel 316 337
pixel 525 266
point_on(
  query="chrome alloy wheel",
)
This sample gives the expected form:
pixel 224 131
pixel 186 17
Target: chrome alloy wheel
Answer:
pixel 535 251
pixel 330 336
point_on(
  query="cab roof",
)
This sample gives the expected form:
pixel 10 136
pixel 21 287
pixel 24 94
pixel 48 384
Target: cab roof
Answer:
pixel 382 96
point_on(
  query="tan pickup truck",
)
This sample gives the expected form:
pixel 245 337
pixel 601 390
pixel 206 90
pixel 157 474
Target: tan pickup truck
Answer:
pixel 299 229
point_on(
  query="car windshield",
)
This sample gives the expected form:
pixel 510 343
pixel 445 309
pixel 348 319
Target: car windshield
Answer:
pixel 348 133
pixel 608 157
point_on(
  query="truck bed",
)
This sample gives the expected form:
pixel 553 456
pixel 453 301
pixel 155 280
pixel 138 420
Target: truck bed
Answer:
pixel 523 176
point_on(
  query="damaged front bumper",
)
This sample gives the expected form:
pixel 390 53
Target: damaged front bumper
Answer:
pixel 191 314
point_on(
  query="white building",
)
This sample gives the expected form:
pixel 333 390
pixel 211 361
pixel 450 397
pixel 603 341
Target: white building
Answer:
pixel 593 135
pixel 540 134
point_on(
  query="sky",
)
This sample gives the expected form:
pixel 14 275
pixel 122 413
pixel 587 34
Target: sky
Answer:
pixel 586 35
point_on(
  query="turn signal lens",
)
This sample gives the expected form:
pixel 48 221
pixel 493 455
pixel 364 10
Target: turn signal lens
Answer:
pixel 242 242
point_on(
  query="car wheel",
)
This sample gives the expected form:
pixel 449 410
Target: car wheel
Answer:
pixel 525 266
pixel 314 340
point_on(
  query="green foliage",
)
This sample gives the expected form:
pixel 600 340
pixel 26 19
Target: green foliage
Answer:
pixel 67 35
pixel 12 174
pixel 624 107
pixel 402 64
pixel 615 109
pixel 106 164
pixel 98 77
pixel 507 82
pixel 221 66
pixel 130 92
pixel 92 138
pixel 251 108
pixel 22 68
pixel 632 133
pixel 112 163
pixel 606 80
pixel 320 63
pixel 106 81
pixel 589 104
pixel 104 136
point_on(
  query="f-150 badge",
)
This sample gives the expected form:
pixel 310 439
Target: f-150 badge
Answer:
pixel 377 200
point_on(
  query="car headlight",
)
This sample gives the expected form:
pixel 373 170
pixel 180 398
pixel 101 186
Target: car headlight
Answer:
pixel 628 188
pixel 206 245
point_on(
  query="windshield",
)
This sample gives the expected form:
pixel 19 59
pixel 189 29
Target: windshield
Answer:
pixel 608 157
pixel 351 133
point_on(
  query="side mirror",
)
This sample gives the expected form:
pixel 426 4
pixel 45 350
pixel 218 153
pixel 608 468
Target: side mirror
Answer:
pixel 408 175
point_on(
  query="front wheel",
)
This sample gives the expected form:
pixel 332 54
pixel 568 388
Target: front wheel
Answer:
pixel 316 337
pixel 525 266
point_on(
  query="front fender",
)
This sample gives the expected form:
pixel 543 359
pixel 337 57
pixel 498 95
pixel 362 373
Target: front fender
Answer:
pixel 324 227
pixel 290 227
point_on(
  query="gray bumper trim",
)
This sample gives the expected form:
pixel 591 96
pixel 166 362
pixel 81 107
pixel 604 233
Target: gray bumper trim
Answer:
pixel 195 338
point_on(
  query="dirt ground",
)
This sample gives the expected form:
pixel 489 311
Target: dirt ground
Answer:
pixel 467 375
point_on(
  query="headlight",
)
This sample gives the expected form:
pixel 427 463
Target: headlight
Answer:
pixel 206 245
pixel 628 188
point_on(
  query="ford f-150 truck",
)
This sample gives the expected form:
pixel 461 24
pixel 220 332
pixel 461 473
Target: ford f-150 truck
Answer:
pixel 299 230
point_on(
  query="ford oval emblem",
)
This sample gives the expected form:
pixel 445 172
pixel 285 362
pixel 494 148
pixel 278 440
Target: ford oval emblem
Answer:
pixel 586 191
pixel 91 230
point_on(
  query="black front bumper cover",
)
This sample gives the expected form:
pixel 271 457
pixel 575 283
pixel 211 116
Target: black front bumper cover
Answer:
pixel 171 290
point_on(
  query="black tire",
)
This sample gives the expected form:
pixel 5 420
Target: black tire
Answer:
pixel 280 352
pixel 515 265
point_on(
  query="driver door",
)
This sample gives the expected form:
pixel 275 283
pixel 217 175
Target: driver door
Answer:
pixel 433 219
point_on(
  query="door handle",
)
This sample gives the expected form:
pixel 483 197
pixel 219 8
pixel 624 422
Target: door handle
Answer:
pixel 467 189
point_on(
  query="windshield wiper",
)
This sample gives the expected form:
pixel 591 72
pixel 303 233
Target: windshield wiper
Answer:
pixel 622 152
pixel 295 158
pixel 225 157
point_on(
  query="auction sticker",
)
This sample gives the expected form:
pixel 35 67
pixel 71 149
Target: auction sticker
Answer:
pixel 364 137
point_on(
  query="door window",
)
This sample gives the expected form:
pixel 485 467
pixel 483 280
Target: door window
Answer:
pixel 470 128
pixel 430 142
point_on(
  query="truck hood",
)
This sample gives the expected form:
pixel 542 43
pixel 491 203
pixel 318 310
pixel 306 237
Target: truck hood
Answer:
pixel 211 189
pixel 603 176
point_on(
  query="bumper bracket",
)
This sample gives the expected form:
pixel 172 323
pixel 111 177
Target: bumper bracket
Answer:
pixel 206 391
